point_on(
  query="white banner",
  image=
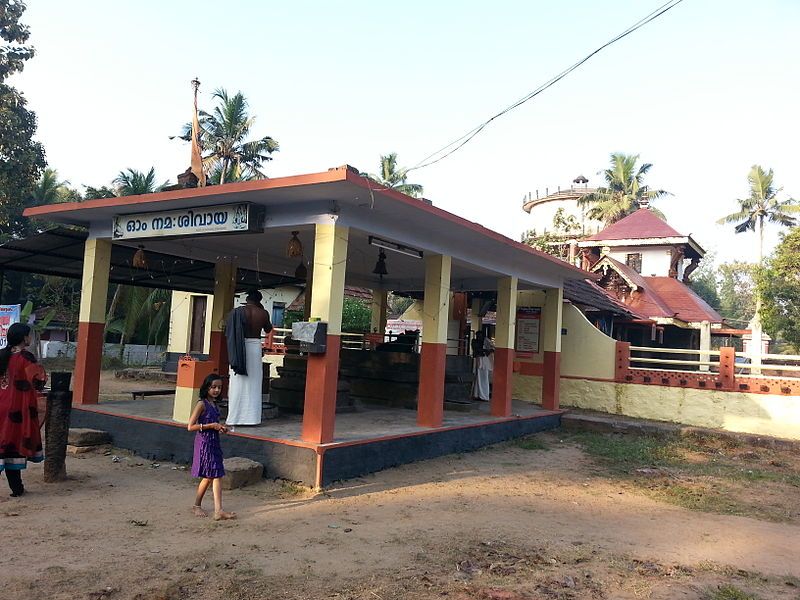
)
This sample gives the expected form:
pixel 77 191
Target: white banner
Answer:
pixel 190 221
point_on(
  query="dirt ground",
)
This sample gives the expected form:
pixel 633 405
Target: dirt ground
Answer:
pixel 516 521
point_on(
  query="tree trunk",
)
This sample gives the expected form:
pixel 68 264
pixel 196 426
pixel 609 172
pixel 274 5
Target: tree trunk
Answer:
pixel 59 405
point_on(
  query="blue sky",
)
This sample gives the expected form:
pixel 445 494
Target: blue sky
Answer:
pixel 704 92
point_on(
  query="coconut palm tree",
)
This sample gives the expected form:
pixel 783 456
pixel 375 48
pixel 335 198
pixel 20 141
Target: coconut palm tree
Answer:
pixel 134 183
pixel 49 190
pixel 624 193
pixel 394 178
pixel 227 153
pixel 761 205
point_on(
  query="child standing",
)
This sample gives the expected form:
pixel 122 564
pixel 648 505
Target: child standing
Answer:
pixel 207 461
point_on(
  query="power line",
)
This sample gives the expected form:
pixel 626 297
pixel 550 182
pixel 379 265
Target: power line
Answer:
pixel 467 137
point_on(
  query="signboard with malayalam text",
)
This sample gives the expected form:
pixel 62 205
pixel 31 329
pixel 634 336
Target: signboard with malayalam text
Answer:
pixel 228 218
pixel 528 321
pixel 9 314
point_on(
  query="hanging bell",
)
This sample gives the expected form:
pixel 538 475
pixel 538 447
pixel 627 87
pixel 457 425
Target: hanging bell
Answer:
pixel 139 259
pixel 380 266
pixel 301 272
pixel 295 247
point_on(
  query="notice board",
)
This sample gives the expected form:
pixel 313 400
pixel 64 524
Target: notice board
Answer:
pixel 528 327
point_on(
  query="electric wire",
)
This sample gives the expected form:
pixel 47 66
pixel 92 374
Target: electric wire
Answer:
pixel 467 137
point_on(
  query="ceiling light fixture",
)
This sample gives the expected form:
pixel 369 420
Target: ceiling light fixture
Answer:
pixel 394 247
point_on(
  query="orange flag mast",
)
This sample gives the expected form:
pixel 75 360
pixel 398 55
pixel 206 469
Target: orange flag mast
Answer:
pixel 197 157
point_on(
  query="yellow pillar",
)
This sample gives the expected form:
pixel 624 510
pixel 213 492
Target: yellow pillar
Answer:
pixel 504 346
pixel 221 305
pixel 327 299
pixel 92 319
pixel 436 309
pixel 378 314
pixel 551 347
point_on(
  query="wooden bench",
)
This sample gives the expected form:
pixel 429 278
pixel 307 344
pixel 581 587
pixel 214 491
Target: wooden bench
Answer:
pixel 140 394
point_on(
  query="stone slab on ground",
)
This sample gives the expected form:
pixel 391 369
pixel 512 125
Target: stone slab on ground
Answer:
pixel 87 437
pixel 240 472
pixel 608 423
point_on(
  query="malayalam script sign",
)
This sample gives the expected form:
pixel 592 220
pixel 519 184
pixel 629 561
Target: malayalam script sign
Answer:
pixel 528 320
pixel 229 218
pixel 9 314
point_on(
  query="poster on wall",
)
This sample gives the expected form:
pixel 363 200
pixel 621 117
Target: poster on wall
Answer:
pixel 528 320
pixel 9 314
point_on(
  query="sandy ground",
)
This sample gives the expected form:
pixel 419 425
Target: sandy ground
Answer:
pixel 502 523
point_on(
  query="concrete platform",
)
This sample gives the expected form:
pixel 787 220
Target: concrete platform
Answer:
pixel 367 440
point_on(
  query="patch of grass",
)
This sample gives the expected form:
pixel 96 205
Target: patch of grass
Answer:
pixel 624 451
pixel 728 592
pixel 531 443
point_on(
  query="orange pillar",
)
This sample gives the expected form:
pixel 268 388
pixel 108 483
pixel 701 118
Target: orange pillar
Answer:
pixel 94 292
pixel 727 367
pixel 436 304
pixel 551 346
pixel 504 346
pixel 327 299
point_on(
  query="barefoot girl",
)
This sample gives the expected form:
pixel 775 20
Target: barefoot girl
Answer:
pixel 207 461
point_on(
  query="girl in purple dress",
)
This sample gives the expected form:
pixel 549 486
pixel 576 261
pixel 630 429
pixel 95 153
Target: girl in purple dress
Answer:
pixel 207 461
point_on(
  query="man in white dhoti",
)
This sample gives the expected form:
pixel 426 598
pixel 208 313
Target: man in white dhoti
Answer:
pixel 482 351
pixel 243 335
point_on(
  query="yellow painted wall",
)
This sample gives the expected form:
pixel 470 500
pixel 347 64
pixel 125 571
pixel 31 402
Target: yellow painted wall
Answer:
pixel 180 322
pixel 760 414
pixel 585 350
pixel 588 353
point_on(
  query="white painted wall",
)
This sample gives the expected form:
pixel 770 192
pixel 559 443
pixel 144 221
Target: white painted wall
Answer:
pixel 655 259
pixel 541 218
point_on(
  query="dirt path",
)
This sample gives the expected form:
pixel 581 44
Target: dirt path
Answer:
pixel 407 527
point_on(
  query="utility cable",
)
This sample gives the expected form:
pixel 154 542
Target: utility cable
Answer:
pixel 467 137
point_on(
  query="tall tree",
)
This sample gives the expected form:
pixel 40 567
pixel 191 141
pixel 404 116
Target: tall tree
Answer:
pixel 21 159
pixel 49 190
pixel 762 204
pixel 624 192
pixel 133 183
pixel 228 154
pixel 779 289
pixel 395 178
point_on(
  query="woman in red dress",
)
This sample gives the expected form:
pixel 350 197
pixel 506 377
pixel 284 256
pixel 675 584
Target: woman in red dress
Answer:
pixel 20 380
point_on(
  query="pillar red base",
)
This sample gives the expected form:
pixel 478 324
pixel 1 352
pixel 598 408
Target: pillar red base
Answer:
pixel 501 382
pixel 551 380
pixel 88 359
pixel 430 397
pixel 218 351
pixel 322 376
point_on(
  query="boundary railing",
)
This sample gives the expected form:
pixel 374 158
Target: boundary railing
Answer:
pixel 707 369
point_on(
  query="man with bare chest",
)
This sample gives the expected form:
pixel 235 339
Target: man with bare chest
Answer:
pixel 243 334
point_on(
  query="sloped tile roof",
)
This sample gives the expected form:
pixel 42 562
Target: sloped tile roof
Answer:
pixel 588 293
pixel 638 225
pixel 350 291
pixel 683 300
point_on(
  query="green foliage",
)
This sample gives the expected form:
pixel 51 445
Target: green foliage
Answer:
pixel 228 155
pixel 623 451
pixel 555 242
pixel 356 316
pixel 704 282
pixel 779 288
pixel 93 193
pixel 291 316
pixel 623 192
pixel 140 315
pixel 134 183
pixel 40 325
pixel 395 178
pixel 531 443
pixel 728 592
pixel 21 159
pixel 737 292
pixel 397 305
